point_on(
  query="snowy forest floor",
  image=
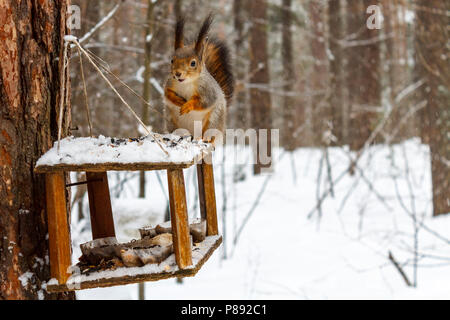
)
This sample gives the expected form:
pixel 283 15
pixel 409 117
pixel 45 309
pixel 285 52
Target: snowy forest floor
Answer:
pixel 340 252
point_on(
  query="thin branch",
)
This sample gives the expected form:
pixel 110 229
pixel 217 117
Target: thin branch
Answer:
pixel 254 206
pixel 100 23
pixel 399 269
pixel 86 105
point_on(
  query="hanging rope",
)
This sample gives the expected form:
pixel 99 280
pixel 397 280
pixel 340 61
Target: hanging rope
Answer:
pixel 62 91
pixel 85 93
pixel 104 65
pixel 74 40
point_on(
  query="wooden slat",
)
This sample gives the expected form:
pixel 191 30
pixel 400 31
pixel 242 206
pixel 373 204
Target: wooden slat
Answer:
pixel 179 218
pixel 111 166
pixel 100 205
pixel 109 281
pixel 58 227
pixel 118 166
pixel 209 195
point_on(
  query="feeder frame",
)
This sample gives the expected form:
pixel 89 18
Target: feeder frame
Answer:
pixel 102 221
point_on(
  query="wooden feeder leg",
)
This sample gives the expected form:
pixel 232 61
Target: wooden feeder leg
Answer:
pixel 58 226
pixel 179 218
pixel 201 192
pixel 102 222
pixel 207 196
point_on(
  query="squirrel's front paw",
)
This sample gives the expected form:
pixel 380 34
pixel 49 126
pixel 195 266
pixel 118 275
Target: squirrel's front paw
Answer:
pixel 187 107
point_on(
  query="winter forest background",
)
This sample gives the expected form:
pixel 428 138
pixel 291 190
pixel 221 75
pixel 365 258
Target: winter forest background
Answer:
pixel 357 202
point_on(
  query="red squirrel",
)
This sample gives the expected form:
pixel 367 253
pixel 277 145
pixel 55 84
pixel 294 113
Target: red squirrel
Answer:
pixel 200 84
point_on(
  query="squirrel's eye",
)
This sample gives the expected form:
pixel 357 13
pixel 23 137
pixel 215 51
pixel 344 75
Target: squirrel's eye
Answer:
pixel 171 61
pixel 193 63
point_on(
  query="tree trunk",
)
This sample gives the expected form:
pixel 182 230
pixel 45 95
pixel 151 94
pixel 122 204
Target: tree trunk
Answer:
pixel 178 8
pixel 396 59
pixel 363 77
pixel 159 48
pixel 336 99
pixel 240 118
pixel 90 15
pixel 260 100
pixel 319 76
pixel 31 60
pixel 147 86
pixel 289 124
pixel 431 40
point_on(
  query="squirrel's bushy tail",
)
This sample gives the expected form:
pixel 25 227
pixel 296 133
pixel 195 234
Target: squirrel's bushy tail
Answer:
pixel 217 61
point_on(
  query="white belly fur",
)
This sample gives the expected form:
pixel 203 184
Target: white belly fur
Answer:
pixel 187 121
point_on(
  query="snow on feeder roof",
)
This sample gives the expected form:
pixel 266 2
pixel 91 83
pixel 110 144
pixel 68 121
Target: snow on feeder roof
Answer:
pixel 105 153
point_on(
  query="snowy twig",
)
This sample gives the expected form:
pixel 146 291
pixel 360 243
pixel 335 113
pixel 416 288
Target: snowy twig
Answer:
pixel 367 143
pixel 399 269
pixel 254 206
pixel 93 45
pixel 100 23
pixel 421 224
pixel 414 218
pixel 319 175
pixel 370 185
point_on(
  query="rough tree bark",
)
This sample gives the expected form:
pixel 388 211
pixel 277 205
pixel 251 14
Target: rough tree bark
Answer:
pixel 240 118
pixel 431 46
pixel 161 45
pixel 31 34
pixel 260 100
pixel 319 77
pixel 146 86
pixel 288 135
pixel 336 99
pixel 363 73
pixel 396 58
pixel 147 96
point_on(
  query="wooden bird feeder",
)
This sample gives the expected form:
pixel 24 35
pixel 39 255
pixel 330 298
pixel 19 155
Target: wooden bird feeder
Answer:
pixel 186 259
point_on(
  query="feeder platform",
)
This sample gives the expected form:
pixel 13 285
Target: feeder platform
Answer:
pixel 96 156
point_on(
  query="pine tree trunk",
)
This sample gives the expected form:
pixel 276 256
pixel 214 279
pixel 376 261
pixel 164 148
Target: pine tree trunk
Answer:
pixel 354 22
pixel 146 86
pixel 319 76
pixel 31 51
pixel 161 45
pixel 90 15
pixel 336 99
pixel 396 59
pixel 289 124
pixel 240 117
pixel 260 100
pixel 431 40
pixel 364 82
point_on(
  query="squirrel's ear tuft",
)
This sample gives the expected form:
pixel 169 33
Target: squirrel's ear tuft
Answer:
pixel 202 34
pixel 179 29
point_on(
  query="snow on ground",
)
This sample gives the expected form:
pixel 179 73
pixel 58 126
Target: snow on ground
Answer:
pixel 281 254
